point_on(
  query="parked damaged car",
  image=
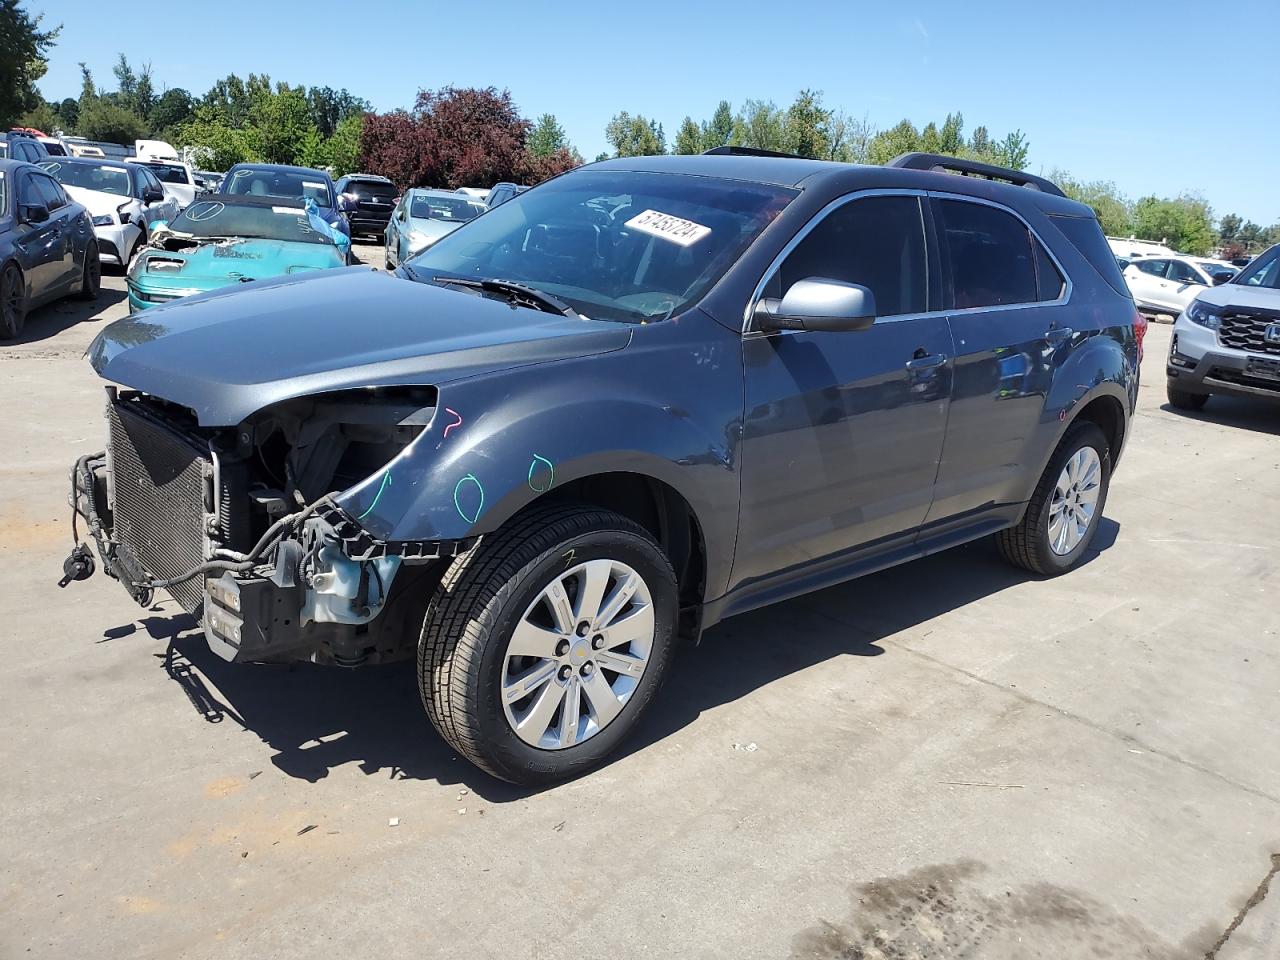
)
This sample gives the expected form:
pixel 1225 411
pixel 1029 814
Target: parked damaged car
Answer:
pixel 639 398
pixel 232 240
pixel 424 216
pixel 124 199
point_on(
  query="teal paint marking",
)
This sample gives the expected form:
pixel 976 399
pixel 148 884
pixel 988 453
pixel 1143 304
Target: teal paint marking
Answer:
pixel 551 474
pixel 386 482
pixel 456 499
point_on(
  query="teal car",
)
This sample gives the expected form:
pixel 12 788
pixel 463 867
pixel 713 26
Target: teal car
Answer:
pixel 217 242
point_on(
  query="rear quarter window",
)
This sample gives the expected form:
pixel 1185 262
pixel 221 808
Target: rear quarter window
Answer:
pixel 1086 236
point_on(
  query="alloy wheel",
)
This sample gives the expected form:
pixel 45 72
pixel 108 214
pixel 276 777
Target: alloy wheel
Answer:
pixel 577 654
pixel 1075 500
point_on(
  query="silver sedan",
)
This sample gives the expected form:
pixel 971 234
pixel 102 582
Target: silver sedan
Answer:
pixel 424 216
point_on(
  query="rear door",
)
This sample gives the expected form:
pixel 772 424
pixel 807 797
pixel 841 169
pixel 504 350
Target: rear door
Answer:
pixel 842 430
pixel 1006 297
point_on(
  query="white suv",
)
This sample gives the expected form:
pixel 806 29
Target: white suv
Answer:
pixel 1228 338
pixel 1169 284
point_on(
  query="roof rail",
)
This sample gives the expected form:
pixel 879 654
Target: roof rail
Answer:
pixel 732 151
pixel 973 168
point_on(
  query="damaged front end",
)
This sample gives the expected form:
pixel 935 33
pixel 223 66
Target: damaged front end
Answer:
pixel 243 525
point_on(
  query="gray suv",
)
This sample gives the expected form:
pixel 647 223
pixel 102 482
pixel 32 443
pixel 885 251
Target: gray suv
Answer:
pixel 1227 341
pixel 642 397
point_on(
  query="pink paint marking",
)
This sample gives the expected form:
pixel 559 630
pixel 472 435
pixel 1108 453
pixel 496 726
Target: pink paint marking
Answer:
pixel 452 425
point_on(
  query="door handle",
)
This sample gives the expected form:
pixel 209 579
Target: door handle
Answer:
pixel 926 361
pixel 1058 334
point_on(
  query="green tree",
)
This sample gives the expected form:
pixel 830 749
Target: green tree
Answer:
pixel 42 117
pixel 930 139
pixel 68 113
pixel 1013 150
pixel 688 137
pixel 806 126
pixel 635 136
pixel 898 139
pixel 547 136
pixel 1113 210
pixel 760 124
pixel 718 131
pixel 951 137
pixel 172 109
pixel 1184 223
pixel 104 120
pixel 23 46
pixel 279 123
pixel 980 142
pixel 344 145
pixel 1229 228
pixel 220 144
pixel 312 150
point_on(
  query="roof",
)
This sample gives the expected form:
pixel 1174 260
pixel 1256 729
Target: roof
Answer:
pixel 93 161
pixel 436 192
pixel 796 172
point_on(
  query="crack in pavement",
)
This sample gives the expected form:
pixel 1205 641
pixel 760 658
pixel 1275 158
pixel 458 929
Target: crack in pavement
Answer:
pixel 1066 714
pixel 1258 896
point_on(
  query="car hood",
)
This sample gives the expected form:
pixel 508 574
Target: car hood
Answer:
pixel 97 202
pixel 434 228
pixel 232 261
pixel 1239 295
pixel 233 351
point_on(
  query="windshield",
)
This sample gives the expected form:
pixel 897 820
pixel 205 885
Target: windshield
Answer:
pixel 1263 272
pixel 169 172
pixel 91 176
pixel 214 218
pixel 297 185
pixel 616 246
pixel 443 208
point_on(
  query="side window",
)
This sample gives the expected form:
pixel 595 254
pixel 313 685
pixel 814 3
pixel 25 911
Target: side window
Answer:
pixel 1049 282
pixel 1156 268
pixel 28 195
pixel 990 253
pixel 1183 273
pixel 51 194
pixel 877 242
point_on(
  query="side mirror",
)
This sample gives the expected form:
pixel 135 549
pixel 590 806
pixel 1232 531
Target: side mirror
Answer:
pixel 152 195
pixel 819 304
pixel 1220 278
pixel 35 213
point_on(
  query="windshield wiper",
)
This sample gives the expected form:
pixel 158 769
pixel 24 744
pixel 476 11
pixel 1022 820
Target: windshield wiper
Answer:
pixel 516 293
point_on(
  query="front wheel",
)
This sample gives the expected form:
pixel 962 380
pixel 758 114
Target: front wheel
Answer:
pixel 1063 514
pixel 1184 400
pixel 543 646
pixel 91 277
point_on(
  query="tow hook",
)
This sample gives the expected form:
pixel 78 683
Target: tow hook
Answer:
pixel 78 566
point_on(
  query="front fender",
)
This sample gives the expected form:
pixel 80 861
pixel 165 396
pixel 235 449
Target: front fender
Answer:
pixel 497 443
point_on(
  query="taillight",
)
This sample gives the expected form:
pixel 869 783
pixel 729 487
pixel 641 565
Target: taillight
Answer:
pixel 1140 330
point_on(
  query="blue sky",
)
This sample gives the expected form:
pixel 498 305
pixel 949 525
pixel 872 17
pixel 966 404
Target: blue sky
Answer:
pixel 1158 97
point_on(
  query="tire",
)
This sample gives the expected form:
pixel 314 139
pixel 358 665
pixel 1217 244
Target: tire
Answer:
pixel 464 659
pixel 13 302
pixel 91 277
pixel 1183 399
pixel 1029 544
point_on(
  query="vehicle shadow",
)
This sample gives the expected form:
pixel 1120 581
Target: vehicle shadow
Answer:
pixel 317 718
pixel 48 321
pixel 1260 416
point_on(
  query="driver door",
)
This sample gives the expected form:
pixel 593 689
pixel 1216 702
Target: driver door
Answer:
pixel 843 431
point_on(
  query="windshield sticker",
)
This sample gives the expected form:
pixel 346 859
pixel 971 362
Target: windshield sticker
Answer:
pixel 240 173
pixel 683 232
pixel 205 211
pixel 313 184
pixel 289 211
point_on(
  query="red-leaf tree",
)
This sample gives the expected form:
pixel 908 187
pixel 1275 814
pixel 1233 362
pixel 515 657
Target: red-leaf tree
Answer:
pixel 456 138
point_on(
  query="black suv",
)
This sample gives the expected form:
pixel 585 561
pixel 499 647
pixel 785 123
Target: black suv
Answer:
pixel 639 398
pixel 367 200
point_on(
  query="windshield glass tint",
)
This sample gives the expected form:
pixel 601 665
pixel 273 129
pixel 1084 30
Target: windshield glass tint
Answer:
pixel 214 218
pixel 279 183
pixel 617 246
pixel 91 176
pixel 443 208
pixel 1263 272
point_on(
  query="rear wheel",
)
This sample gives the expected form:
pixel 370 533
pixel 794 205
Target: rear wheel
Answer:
pixel 1183 399
pixel 1063 514
pixel 91 278
pixel 543 646
pixel 13 302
